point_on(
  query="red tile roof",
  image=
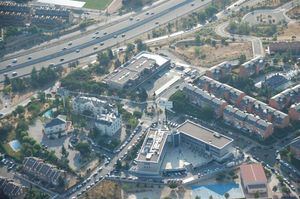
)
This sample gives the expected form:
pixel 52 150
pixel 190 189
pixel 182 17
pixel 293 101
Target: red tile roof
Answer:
pixel 251 173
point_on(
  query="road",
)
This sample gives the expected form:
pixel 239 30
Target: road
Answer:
pixel 106 169
pixel 257 46
pixel 256 42
pixel 110 36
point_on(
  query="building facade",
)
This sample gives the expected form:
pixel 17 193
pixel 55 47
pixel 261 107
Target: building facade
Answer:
pixel 106 116
pixel 137 70
pixel 43 171
pixel 253 178
pixel 56 127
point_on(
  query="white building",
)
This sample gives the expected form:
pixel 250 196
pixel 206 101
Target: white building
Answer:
pixel 107 118
pixel 56 127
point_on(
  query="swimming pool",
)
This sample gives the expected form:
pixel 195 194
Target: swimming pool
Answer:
pixel 218 190
pixel 48 114
pixel 15 145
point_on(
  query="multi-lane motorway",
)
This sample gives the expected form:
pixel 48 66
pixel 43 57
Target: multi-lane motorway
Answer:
pixel 94 42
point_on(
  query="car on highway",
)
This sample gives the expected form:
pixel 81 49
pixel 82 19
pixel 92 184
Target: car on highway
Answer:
pixel 62 59
pixel 97 32
pixel 29 58
pixel 115 36
pixel 138 19
pixel 156 22
pixel 14 73
pixel 5 74
pixel 123 35
pixel 105 33
pixel 131 18
pixel 101 44
pixel 65 48
pixel 8 66
pixel 15 61
pixel 95 47
pixel 70 44
pixel 78 50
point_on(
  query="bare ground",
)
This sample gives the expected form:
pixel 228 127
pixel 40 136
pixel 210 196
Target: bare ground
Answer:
pixel 105 190
pixel 292 30
pixel 214 55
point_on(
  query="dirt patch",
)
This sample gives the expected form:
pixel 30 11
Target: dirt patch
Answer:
pixel 106 189
pixel 291 32
pixel 294 13
pixel 207 56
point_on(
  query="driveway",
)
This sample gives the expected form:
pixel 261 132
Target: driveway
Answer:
pixel 36 131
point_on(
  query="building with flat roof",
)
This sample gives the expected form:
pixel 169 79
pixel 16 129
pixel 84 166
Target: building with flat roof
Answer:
pixel 137 70
pixel 151 154
pixel 214 145
pixel 253 178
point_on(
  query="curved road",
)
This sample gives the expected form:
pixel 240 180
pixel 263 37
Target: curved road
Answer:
pixel 113 35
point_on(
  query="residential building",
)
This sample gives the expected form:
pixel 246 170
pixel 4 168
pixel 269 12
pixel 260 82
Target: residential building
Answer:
pixel 284 47
pixel 219 71
pixel 204 99
pixel 220 90
pixel 258 126
pixel 234 116
pixel 247 103
pixel 295 149
pixel 61 13
pixel 266 112
pixel 294 112
pixel 252 67
pixel 137 70
pixel 286 98
pixel 12 189
pixel 107 118
pixel 57 127
pixel 253 178
pixel 43 171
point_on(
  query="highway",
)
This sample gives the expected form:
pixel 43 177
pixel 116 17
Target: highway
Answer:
pixel 92 43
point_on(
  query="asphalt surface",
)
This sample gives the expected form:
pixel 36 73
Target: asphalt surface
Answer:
pixel 106 169
pixel 115 35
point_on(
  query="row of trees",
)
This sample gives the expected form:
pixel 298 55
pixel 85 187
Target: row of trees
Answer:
pixel 181 105
pixel 243 28
pixel 36 80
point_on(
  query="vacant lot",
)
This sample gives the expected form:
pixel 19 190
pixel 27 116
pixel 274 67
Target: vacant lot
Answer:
pixel 96 4
pixel 291 32
pixel 294 13
pixel 207 56
pixel 104 190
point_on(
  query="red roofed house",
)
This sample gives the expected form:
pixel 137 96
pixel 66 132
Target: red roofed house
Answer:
pixel 253 178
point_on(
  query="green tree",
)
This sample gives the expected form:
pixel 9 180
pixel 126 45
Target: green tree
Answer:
pixel 242 58
pixel 110 54
pixel 6 80
pixel 140 45
pixel 42 97
pixel 20 109
pixel 226 195
pixel 83 148
pixel 34 78
pixel 256 195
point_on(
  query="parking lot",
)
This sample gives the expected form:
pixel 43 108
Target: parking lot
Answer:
pixel 36 131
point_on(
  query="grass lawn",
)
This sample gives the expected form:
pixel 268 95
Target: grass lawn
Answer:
pixel 11 152
pixel 96 4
